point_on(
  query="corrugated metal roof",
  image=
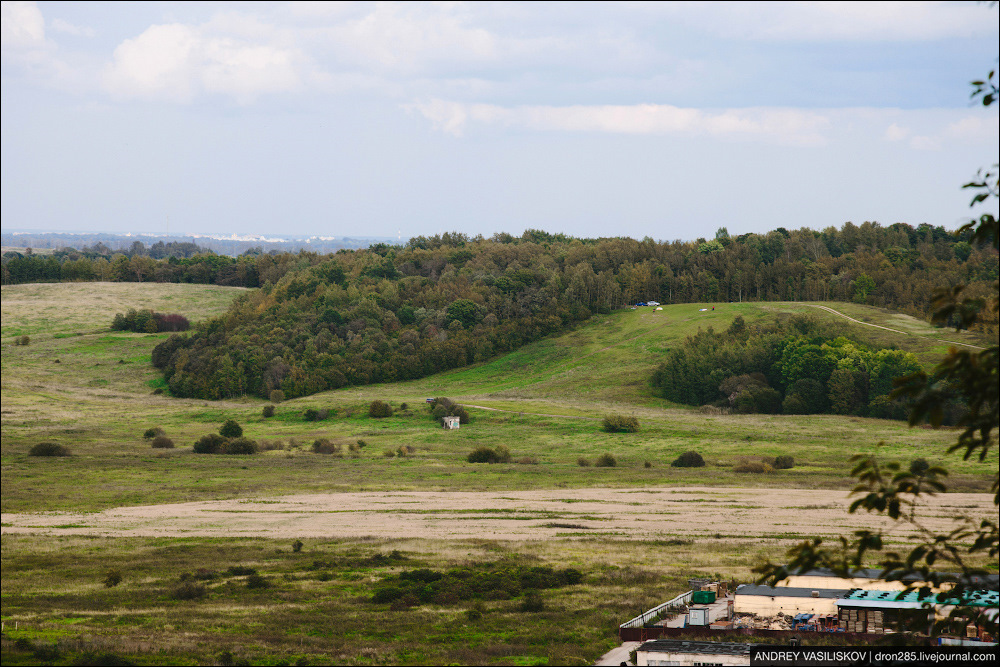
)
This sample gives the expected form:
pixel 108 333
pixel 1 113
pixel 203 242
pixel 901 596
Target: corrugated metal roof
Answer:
pixel 912 599
pixel 790 592
pixel 701 648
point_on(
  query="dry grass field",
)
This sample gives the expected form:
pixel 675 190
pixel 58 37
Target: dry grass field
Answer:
pixel 163 518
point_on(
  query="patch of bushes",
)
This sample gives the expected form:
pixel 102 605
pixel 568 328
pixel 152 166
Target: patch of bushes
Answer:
pixel 241 571
pixel 188 590
pixel 689 460
pixel 49 449
pixel 230 429
pixel 151 433
pixel 620 424
pixel 406 450
pixel 276 396
pixel 532 601
pixel 324 446
pixel 210 443
pixel 267 412
pixel 783 462
pixel 498 581
pixel 148 321
pixel 312 415
pixel 257 582
pixel 379 410
pixel 445 407
pixel 23 340
pixel 528 461
pixel 112 578
pixel 162 442
pixel 750 466
pixel 583 462
pixel 606 460
pixel 216 444
pixel 489 455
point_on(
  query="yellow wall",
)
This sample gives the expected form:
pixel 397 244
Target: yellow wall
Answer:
pixel 764 605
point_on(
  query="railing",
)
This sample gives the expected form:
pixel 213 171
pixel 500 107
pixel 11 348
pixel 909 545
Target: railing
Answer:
pixel 644 617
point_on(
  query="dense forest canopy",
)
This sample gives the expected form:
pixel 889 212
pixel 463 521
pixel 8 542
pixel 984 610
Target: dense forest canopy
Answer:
pixel 393 313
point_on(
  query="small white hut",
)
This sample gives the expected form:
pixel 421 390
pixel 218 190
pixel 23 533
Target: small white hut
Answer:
pixel 450 422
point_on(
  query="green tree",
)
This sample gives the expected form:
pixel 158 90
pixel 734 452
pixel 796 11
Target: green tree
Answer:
pixel 973 377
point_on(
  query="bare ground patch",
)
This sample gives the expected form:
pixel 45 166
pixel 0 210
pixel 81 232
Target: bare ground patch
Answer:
pixel 623 514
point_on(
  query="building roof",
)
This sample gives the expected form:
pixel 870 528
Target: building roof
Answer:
pixel 984 581
pixel 701 648
pixel 790 591
pixel 912 599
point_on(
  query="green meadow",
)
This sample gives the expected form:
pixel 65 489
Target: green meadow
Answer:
pixel 81 385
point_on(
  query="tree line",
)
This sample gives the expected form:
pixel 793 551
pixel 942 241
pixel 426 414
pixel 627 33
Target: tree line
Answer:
pixel 392 313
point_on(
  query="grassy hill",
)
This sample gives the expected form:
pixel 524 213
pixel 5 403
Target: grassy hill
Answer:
pixel 91 389
pixel 82 385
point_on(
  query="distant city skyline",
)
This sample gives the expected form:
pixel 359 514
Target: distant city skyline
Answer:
pixel 387 120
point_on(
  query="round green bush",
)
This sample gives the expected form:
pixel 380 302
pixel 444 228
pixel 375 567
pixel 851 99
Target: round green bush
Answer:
pixel 151 433
pixel 210 443
pixel 267 412
pixel 239 446
pixel 753 467
pixel 162 442
pixel 620 424
pixel 230 429
pixel 49 449
pixel 783 462
pixel 689 460
pixel 379 410
pixel 606 461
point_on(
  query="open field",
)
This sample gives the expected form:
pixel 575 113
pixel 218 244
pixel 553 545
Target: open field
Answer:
pixel 635 532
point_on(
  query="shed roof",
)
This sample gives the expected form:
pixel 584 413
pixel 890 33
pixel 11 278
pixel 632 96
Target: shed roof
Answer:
pixel 790 591
pixel 701 648
pixel 912 599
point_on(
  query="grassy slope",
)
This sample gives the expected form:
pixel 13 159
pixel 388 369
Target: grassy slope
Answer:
pixel 99 406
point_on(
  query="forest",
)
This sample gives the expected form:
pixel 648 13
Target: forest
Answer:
pixel 795 366
pixel 392 313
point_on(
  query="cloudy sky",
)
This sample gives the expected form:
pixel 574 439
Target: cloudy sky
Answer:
pixel 666 120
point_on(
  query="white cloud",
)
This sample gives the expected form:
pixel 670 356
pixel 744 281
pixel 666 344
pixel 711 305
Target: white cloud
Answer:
pixel 21 25
pixel 60 25
pixel 925 143
pixel 176 62
pixel 834 21
pixel 896 133
pixel 783 126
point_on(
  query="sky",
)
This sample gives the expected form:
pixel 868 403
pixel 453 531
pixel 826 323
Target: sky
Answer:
pixel 666 120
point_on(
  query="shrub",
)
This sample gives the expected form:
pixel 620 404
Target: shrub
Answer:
pixel 151 433
pixel 239 446
pixel 528 461
pixel 49 449
pixel 461 413
pixel 23 340
pixel 256 581
pixel 230 429
pixel 297 546
pixel 112 578
pixel 389 453
pixel 276 396
pixel 488 455
pixel 324 446
pixel 689 460
pixel 188 590
pixel 783 462
pixel 753 467
pixel 162 442
pixel 241 571
pixel 379 410
pixel 532 601
pixel 210 443
pixel 267 412
pixel 606 461
pixel 647 464
pixel 583 462
pixel 312 415
pixel 620 424
pixel 475 612
pixel 404 406
pixel 406 450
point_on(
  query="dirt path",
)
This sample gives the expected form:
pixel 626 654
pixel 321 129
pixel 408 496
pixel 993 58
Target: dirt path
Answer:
pixel 879 326
pixel 647 514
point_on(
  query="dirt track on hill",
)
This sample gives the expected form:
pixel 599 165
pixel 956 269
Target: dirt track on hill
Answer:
pixel 640 514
